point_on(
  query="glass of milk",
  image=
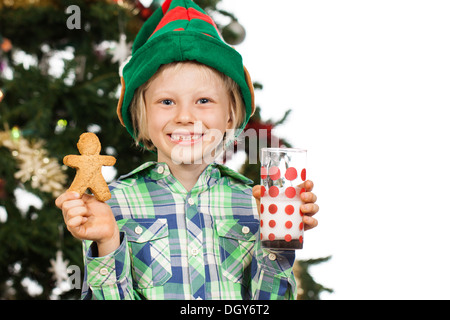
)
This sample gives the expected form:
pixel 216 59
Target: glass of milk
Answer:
pixel 282 171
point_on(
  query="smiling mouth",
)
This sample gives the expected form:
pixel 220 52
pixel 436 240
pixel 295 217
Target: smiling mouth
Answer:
pixel 187 138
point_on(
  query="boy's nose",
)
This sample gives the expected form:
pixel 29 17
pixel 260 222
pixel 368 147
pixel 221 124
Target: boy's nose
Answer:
pixel 184 115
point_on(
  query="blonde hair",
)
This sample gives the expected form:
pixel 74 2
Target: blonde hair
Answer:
pixel 138 110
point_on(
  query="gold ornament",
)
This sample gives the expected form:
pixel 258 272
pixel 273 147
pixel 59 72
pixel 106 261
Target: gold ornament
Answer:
pixel 44 173
pixel 26 3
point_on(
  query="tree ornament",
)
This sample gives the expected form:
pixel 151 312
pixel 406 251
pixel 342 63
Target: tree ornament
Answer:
pixel 122 50
pixel 234 33
pixel 35 165
pixel 59 268
pixel 28 3
pixel 5 44
pixel 147 8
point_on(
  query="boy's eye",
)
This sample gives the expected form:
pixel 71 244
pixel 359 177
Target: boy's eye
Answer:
pixel 203 101
pixel 167 102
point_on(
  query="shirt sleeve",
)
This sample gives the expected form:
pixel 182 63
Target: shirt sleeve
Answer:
pixel 271 274
pixel 107 277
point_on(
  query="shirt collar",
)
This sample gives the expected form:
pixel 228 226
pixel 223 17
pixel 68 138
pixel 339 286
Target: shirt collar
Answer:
pixel 209 176
pixel 226 171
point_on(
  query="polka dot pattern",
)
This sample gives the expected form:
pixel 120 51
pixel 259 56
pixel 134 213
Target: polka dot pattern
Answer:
pixel 263 173
pixel 289 209
pixel 291 174
pixel 274 191
pixel 273 208
pixel 290 192
pixel 284 221
pixel 274 173
pixel 280 197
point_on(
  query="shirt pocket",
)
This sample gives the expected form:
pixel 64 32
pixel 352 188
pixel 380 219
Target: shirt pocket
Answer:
pixel 150 251
pixel 236 243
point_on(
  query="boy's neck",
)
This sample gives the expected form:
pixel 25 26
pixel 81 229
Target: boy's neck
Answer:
pixel 186 174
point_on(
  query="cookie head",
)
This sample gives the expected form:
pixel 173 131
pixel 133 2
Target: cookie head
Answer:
pixel 89 144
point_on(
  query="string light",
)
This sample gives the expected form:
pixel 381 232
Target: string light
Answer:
pixel 15 132
pixel 61 125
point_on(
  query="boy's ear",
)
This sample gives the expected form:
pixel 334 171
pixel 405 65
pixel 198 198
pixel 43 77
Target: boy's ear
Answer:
pixel 248 79
pixel 230 119
pixel 230 122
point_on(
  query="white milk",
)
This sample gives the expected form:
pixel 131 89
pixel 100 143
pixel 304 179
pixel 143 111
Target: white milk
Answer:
pixel 284 224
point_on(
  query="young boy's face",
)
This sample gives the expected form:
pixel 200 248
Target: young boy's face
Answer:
pixel 188 112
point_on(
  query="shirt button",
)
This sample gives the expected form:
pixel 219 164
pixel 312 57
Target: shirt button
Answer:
pixel 160 169
pixel 138 230
pixel 104 271
pixel 272 256
pixel 191 201
pixel 245 230
pixel 194 252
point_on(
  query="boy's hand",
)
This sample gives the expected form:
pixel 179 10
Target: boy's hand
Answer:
pixel 89 219
pixel 309 208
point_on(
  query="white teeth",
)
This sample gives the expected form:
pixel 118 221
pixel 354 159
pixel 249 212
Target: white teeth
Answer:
pixel 179 137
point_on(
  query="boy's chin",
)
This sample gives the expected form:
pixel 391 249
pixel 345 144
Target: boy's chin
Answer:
pixel 183 155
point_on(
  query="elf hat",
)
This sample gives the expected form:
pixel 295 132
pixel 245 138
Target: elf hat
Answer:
pixel 180 31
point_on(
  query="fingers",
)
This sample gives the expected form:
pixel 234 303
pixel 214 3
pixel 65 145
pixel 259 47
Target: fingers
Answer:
pixel 257 192
pixel 69 195
pixel 76 221
pixel 308 210
pixel 87 198
pixel 73 209
pixel 86 218
pixel 310 222
pixel 257 195
pixel 308 185
pixel 308 197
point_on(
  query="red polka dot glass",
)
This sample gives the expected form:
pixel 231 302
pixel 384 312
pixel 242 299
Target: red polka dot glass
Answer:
pixel 282 171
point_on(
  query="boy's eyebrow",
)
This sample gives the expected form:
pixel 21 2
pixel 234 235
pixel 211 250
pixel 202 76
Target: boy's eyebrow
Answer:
pixel 160 92
pixel 202 90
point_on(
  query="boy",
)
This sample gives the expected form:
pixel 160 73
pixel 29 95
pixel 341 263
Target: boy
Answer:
pixel 182 227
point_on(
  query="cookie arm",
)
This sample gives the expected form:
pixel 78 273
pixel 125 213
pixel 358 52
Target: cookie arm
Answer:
pixel 108 160
pixel 71 161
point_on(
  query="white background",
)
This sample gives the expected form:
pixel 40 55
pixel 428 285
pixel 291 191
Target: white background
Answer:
pixel 369 83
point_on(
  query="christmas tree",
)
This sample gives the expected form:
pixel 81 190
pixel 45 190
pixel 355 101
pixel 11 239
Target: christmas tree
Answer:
pixel 59 78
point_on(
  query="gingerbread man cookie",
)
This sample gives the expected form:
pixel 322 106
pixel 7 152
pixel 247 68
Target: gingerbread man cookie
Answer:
pixel 89 167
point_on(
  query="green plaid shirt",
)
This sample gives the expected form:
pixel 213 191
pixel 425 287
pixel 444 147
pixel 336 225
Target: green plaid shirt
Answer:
pixel 202 244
